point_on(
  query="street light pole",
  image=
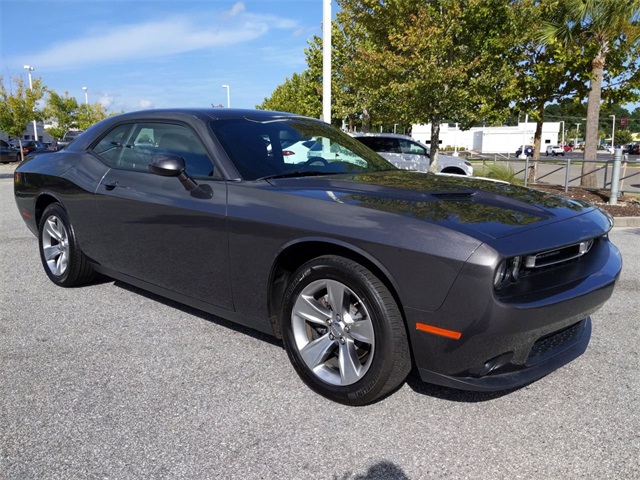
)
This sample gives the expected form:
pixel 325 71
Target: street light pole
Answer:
pixel 524 136
pixel 326 61
pixel 575 144
pixel 30 69
pixel 562 122
pixel 228 95
pixel 455 143
pixel 613 132
pixel 86 96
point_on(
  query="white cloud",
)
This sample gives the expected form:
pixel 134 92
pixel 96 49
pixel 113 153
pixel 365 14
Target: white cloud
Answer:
pixel 106 100
pixel 146 104
pixel 154 39
pixel 237 8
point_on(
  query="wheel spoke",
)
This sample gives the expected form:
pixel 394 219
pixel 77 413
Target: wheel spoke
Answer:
pixel 336 293
pixel 52 229
pixel 311 310
pixel 362 330
pixel 63 262
pixel 316 352
pixel 51 252
pixel 349 363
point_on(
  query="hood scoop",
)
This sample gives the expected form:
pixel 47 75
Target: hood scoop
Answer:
pixel 453 195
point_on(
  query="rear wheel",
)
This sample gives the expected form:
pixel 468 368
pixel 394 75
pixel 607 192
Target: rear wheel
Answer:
pixel 343 331
pixel 63 261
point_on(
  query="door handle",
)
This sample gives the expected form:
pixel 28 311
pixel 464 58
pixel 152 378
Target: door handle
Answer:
pixel 110 185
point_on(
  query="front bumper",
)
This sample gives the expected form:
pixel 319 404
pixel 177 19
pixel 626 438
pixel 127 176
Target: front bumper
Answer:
pixel 511 341
pixel 567 348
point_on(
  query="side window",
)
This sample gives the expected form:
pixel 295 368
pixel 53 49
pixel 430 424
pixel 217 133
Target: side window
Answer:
pixel 133 146
pixel 111 147
pixel 181 141
pixel 409 147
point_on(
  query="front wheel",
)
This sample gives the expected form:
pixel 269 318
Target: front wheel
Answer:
pixel 344 332
pixel 63 261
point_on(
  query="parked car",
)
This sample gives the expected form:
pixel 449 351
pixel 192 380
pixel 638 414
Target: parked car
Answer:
pixel 528 151
pixel 68 137
pixel 632 149
pixel 296 151
pixel 555 150
pixel 8 153
pixel 408 154
pixel 28 146
pixel 362 269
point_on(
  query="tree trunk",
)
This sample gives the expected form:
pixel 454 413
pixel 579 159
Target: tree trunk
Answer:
pixel 593 115
pixel 366 120
pixel 537 139
pixel 435 142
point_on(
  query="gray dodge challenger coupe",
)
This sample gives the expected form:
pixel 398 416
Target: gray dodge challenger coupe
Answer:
pixel 363 270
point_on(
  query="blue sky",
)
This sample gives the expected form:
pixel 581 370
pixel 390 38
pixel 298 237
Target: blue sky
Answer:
pixel 158 53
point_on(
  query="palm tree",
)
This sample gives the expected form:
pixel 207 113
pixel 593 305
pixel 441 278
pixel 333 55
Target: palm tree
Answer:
pixel 596 26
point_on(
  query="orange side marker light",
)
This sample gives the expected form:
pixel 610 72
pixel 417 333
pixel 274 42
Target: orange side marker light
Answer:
pixel 443 332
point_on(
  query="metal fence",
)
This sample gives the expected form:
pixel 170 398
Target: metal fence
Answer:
pixel 565 164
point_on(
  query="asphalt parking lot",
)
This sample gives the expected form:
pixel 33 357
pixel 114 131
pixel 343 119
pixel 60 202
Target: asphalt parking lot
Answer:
pixel 106 381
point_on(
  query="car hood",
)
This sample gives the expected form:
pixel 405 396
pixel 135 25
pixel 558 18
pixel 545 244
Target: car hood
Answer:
pixel 464 204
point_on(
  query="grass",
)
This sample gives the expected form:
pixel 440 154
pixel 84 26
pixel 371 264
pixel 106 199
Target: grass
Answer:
pixel 498 171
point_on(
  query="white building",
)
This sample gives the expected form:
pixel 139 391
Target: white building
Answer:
pixel 491 139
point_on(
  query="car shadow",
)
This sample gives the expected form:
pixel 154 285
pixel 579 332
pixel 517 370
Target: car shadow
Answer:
pixel 452 394
pixel 199 313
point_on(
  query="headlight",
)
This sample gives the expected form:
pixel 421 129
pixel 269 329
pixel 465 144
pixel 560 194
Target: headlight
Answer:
pixel 507 272
pixel 498 279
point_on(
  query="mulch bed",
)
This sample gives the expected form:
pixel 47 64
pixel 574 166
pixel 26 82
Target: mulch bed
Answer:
pixel 628 205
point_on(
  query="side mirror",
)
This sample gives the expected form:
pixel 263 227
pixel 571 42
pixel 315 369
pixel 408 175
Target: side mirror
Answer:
pixel 167 165
pixel 170 165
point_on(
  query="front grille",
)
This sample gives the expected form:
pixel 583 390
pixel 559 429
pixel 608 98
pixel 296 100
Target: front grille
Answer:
pixel 551 343
pixel 558 255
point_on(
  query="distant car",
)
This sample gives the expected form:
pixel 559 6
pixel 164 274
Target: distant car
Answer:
pixel 568 148
pixel 528 151
pixel 296 151
pixel 363 270
pixel 28 146
pixel 631 149
pixel 8 153
pixel 555 150
pixel 68 137
pixel 408 154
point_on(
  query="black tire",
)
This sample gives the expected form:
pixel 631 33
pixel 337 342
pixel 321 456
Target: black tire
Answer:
pixel 453 171
pixel 62 259
pixel 367 329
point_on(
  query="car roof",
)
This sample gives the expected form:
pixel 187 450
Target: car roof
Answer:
pixel 212 113
pixel 382 135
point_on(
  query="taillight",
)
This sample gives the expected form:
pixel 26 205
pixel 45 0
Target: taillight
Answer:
pixel 286 153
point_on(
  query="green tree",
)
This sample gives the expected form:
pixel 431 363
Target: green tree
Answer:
pixel 297 94
pixel 426 62
pixel 622 137
pixel 18 106
pixel 544 73
pixel 89 114
pixel 62 113
pixel 607 33
pixel 350 100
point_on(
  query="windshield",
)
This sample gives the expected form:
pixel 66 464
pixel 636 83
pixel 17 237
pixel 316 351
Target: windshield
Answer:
pixel 287 146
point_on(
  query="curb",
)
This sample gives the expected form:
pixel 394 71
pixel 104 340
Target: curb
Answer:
pixel 626 222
